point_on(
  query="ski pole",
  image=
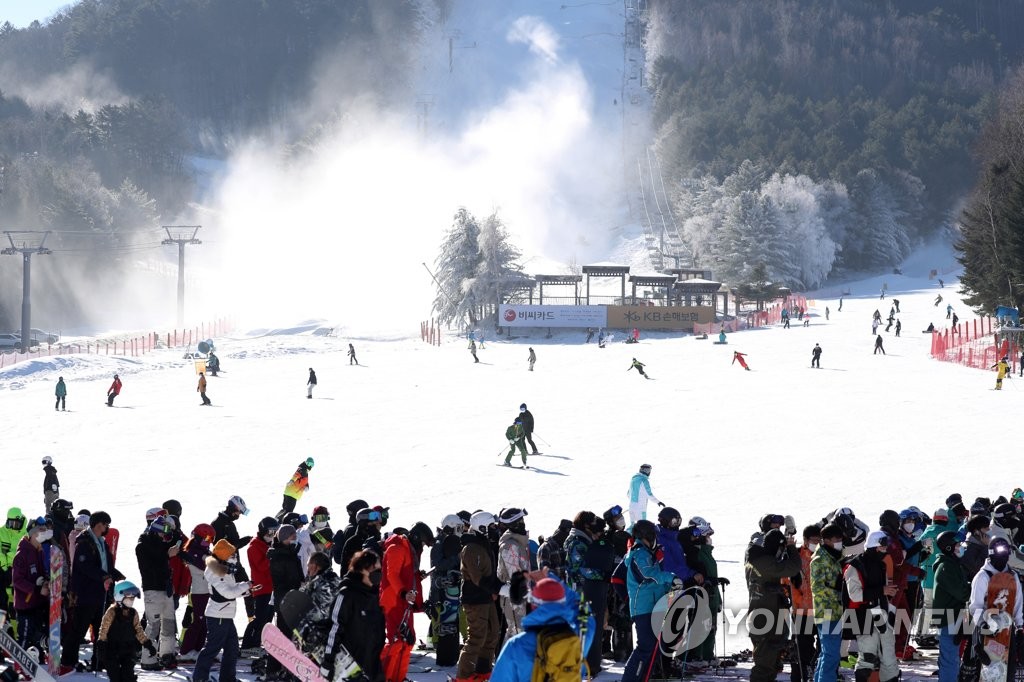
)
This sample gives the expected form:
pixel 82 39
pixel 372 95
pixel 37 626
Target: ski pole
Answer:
pixel 541 439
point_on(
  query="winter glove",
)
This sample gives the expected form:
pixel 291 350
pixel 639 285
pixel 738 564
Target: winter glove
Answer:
pixel 790 524
pixel 518 587
pixel 505 591
pixel 40 580
pixel 661 504
pixel 723 581
pixel 150 649
pixel 511 442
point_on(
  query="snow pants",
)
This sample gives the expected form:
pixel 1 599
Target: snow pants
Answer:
pixel 195 634
pixel 309 390
pixel 637 511
pixel 482 638
pixel 395 656
pixel 877 652
pixel 514 615
pixel 160 625
pixel 221 638
pixel 512 450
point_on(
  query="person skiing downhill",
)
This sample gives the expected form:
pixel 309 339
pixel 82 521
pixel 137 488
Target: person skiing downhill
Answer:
pixel 516 437
pixel 816 356
pixel 1003 368
pixel 352 355
pixel 51 486
pixel 738 357
pixel 310 383
pixel 638 366
pixel 61 392
pixel 113 391
pixel 639 493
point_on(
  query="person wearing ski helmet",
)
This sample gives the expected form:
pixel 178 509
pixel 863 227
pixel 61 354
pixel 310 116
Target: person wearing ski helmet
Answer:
pixel 513 559
pixel 357 622
pixel 975 549
pixel 673 559
pixel 618 608
pixel 646 583
pixel 295 487
pixel 92 578
pixel 113 391
pixel 11 534
pixel 263 584
pixel 528 424
pixel 342 536
pixel 639 493
pixel 996 594
pixel 51 485
pixel 154 550
pixel 765 567
pixel 516 437
pixel 911 573
pixel 120 634
pixel 224 525
pixel 30 580
pixel 61 393
pixel 62 521
pixel 222 638
pixel 367 534
pixel 401 595
pixel 551 553
pixel 950 594
pixel 320 529
pixel 480 588
pixel 870 599
pixel 1004 524
pixel 444 587
pixel 193 555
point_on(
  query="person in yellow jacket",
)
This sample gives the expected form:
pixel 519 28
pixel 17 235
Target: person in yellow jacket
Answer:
pixel 201 388
pixel 295 487
pixel 1003 367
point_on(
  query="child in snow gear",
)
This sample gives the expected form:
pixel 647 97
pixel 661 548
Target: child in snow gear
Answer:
pixel 1003 368
pixel 120 636
pixel 516 437
pixel 201 388
pixel 310 383
pixel 113 391
pixel 527 418
pixel 61 392
pixel 738 357
pixel 221 637
pixel 638 366
pixel 532 358
pixel 878 346
pixel 816 356
pixel 352 355
pixel 639 493
pixel 51 486
pixel 295 487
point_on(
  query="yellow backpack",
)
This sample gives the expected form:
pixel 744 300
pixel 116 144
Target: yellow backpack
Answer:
pixel 559 656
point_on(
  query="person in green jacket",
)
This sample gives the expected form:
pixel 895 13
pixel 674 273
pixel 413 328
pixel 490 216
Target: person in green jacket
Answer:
pixel 939 524
pixel 827 595
pixel 516 438
pixel 951 593
pixel 61 392
pixel 10 536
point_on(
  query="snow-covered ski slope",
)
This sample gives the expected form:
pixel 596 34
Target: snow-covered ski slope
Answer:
pixel 420 428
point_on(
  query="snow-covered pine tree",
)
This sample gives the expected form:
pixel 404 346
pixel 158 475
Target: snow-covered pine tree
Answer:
pixel 496 269
pixel 455 269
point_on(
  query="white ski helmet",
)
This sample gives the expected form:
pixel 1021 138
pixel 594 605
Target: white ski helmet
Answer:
pixel 479 522
pixel 453 522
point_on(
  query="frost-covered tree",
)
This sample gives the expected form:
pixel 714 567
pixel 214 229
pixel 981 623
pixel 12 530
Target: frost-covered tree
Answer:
pixel 496 271
pixel 809 251
pixel 880 238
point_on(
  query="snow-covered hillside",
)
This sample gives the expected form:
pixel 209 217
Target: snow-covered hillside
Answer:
pixel 420 428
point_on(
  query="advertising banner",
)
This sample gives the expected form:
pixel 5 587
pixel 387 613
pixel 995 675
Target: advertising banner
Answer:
pixel 553 316
pixel 658 317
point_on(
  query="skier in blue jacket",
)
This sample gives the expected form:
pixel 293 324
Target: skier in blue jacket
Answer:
pixel 673 557
pixel 639 493
pixel 554 604
pixel 646 583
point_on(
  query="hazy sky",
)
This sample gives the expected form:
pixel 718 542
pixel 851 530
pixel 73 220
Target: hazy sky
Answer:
pixel 21 13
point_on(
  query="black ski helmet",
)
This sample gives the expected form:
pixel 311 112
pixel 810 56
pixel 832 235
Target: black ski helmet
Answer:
pixel 1005 515
pixel 889 521
pixel 173 507
pixel 354 506
pixel 644 530
pixel 268 524
pixel 946 542
pixel 669 517
pixel 773 540
pixel 769 520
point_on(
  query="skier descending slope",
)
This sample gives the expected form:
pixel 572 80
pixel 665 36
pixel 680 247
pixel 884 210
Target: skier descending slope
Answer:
pixel 639 493
pixel 738 357
pixel 638 366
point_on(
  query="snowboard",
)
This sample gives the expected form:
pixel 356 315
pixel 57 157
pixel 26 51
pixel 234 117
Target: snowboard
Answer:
pixel 287 654
pixel 995 647
pixel 56 606
pixel 111 538
pixel 447 649
pixel 294 607
pixel 29 665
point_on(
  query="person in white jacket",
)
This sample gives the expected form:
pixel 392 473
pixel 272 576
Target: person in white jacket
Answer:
pixel 513 557
pixel 995 577
pixel 221 636
pixel 639 493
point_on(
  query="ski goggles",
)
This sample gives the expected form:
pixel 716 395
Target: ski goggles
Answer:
pixel 776 520
pixel 321 518
pixel 614 511
pixel 16 523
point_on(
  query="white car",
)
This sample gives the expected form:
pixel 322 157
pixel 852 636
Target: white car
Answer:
pixel 10 341
pixel 44 337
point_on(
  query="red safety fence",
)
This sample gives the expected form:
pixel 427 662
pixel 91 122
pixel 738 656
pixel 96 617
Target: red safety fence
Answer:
pixel 973 344
pixel 758 318
pixel 430 331
pixel 134 346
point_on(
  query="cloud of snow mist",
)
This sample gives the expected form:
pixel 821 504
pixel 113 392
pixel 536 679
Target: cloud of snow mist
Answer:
pixel 340 232
pixel 78 87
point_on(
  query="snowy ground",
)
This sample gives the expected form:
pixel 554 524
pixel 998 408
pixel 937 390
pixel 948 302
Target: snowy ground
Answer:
pixel 420 428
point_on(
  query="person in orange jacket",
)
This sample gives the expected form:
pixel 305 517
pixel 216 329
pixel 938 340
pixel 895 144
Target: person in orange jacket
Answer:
pixel 295 487
pixel 804 632
pixel 201 389
pixel 401 594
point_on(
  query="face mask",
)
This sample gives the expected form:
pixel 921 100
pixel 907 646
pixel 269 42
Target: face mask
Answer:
pixel 45 535
pixel 620 523
pixel 127 602
pixel 375 577
pixel 909 527
pixel 959 551
pixel 999 561
pixel 813 546
pixel 838 545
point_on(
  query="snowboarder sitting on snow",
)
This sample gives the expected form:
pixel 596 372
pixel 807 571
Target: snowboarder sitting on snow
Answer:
pixel 638 366
pixel 931 328
pixel 1003 368
pixel 738 357
pixel 516 437
pixel 721 337
pixel 121 635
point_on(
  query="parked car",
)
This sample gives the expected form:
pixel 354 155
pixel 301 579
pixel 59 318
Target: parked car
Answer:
pixel 17 340
pixel 9 341
pixel 44 337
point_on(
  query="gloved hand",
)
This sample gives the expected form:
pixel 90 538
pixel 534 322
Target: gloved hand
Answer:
pixel 518 587
pixel 723 581
pixel 661 504
pixel 505 591
pixel 511 442
pixel 150 649
pixel 40 580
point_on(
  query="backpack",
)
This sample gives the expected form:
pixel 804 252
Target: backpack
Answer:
pixel 559 656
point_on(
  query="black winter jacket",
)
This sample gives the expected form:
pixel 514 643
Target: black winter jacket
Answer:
pixel 527 418
pixel 154 564
pixel 87 574
pixel 357 623
pixel 285 570
pixel 224 527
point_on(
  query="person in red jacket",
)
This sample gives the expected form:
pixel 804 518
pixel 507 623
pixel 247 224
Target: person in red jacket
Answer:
pixel 113 391
pixel 262 584
pixel 400 595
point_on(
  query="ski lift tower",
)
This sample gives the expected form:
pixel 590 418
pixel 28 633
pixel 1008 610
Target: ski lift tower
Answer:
pixel 181 235
pixel 26 243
